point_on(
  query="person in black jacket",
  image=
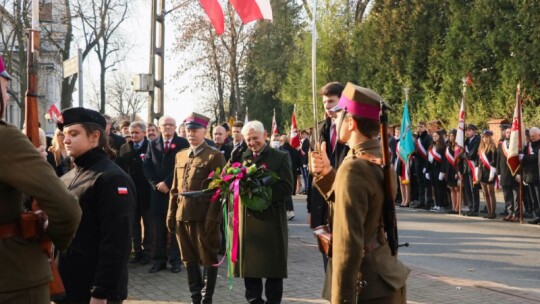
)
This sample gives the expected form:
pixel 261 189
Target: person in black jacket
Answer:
pixel 449 169
pixel 510 186
pixel 470 160
pixel 305 152
pixel 220 141
pixel 94 267
pixel 130 158
pixel 296 165
pixel 487 156
pixel 425 192
pixel 238 144
pixel 530 172
pixel 317 206
pixel 436 172
pixel 158 167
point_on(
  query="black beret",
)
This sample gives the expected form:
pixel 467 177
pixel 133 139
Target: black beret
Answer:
pixel 80 115
pixel 487 132
pixel 505 126
pixel 472 127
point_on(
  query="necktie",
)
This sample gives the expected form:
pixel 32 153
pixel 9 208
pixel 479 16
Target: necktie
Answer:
pixel 255 156
pixel 166 146
pixel 136 146
pixel 333 137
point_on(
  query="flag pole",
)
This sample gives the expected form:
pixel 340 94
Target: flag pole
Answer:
pixel 520 145
pixel 314 71
pixel 463 93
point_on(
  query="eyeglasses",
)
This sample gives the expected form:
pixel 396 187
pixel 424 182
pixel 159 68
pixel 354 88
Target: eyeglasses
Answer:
pixel 168 125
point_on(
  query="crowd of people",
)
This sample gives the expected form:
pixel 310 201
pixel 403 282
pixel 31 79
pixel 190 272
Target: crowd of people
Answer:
pixel 437 178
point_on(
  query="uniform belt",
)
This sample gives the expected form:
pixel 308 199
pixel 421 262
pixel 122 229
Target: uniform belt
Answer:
pixel 9 231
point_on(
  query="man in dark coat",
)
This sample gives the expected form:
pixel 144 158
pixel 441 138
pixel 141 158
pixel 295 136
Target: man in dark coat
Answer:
pixel 130 158
pixel 296 165
pixel 530 172
pixel 304 142
pixel 158 168
pixel 316 204
pixel 220 141
pixel 422 143
pixel 510 186
pixel 470 160
pixel 267 259
pixel 239 146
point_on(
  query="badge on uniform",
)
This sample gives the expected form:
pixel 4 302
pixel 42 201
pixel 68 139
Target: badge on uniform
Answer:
pixel 122 190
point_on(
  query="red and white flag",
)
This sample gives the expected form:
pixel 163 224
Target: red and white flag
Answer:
pixel 295 137
pixel 215 14
pixel 460 136
pixel 274 124
pixel 251 10
pixel 516 137
pixel 54 113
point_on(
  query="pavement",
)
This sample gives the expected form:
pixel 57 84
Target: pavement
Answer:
pixel 305 281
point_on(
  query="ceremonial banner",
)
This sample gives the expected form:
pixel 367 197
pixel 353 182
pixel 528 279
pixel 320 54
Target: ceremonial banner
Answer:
pixel 406 141
pixel 295 137
pixel 274 124
pixel 215 14
pixel 460 136
pixel 251 10
pixel 516 137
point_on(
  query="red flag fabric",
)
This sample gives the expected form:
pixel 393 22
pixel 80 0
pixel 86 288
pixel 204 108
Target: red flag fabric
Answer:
pixel 251 10
pixel 54 113
pixel 516 138
pixel 274 124
pixel 460 136
pixel 469 80
pixel 295 137
pixel 215 14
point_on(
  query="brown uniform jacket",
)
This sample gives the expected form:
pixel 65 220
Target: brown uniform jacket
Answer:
pixel 356 196
pixel 24 170
pixel 189 173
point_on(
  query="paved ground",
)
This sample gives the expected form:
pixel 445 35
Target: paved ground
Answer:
pixel 306 278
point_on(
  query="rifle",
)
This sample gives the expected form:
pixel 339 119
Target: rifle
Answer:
pixel 389 209
pixel 35 216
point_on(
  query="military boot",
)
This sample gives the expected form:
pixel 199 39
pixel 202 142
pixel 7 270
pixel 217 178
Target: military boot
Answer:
pixel 195 282
pixel 210 277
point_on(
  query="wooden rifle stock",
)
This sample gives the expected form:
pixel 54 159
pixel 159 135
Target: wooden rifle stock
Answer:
pixel 389 209
pixel 56 286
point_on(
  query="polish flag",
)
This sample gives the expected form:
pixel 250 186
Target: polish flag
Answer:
pixel 215 14
pixel 516 137
pixel 460 138
pixel 54 113
pixel 295 137
pixel 274 124
pixel 251 10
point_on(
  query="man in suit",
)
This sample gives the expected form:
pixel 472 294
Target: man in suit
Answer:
pixel 220 140
pixel 158 167
pixel 130 158
pixel 296 165
pixel 304 143
pixel 510 186
pixel 267 259
pixel 356 195
pixel 239 146
pixel 316 204
pixel 422 143
pixel 530 172
pixel 25 269
pixel 195 219
pixel 470 160
pixel 151 132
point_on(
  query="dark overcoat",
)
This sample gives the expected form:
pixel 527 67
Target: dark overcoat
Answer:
pixel 158 166
pixel 263 234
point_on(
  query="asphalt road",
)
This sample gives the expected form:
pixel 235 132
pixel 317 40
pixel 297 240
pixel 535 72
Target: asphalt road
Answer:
pixel 472 248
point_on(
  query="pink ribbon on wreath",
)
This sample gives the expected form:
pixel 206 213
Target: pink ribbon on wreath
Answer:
pixel 236 210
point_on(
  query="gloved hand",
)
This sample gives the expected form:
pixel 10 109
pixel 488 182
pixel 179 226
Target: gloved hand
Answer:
pixel 427 176
pixel 171 225
pixel 520 156
pixel 442 176
pixel 424 170
pixel 518 178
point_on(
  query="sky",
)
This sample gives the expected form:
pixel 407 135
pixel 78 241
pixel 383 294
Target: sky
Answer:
pixel 137 28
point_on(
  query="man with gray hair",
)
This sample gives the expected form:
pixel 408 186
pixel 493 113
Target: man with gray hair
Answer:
pixel 130 158
pixel 266 259
pixel 530 172
pixel 158 167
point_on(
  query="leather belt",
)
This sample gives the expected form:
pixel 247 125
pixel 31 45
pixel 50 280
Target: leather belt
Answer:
pixel 10 230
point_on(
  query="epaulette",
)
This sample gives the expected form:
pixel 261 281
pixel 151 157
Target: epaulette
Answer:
pixel 214 148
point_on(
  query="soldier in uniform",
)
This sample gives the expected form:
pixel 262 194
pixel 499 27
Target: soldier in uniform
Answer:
pixel 195 219
pixel 94 267
pixel 355 193
pixel 25 269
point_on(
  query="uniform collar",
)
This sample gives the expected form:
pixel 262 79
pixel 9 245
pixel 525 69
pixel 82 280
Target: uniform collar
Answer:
pixel 194 151
pixel 90 158
pixel 370 146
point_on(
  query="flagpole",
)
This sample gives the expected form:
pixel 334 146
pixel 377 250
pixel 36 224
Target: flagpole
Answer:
pixel 314 71
pixel 460 201
pixel 520 145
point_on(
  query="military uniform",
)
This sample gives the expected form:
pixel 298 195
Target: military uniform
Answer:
pixel 22 264
pixel 356 196
pixel 196 217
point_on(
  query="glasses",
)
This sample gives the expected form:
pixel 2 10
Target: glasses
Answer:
pixel 168 125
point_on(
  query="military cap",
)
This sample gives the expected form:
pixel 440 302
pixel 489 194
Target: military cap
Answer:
pixel 3 72
pixel 472 127
pixel 196 121
pixel 360 101
pixel 505 126
pixel 487 132
pixel 80 115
